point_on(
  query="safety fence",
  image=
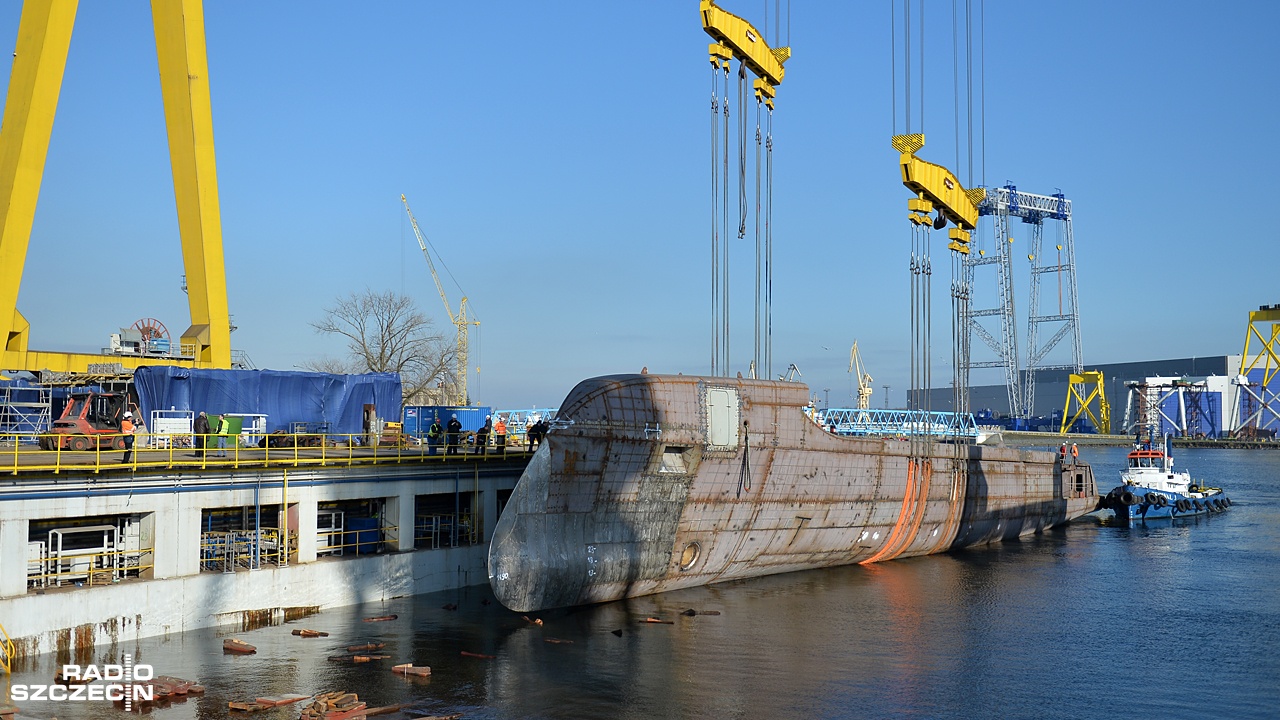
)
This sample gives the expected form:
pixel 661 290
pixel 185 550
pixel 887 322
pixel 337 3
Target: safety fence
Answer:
pixel 232 550
pixel 436 531
pixel 88 567
pixel 22 452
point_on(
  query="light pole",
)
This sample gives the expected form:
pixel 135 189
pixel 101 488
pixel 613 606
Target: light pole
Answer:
pixel 886 396
pixel 827 393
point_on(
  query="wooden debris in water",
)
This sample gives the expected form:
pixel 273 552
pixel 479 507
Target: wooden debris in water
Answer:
pixel 381 618
pixel 366 646
pixel 310 633
pixel 335 706
pixel 557 641
pixel 656 621
pixel 478 655
pixel 408 669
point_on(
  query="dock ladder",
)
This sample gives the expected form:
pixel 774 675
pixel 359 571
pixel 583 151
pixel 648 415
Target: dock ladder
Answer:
pixel 6 651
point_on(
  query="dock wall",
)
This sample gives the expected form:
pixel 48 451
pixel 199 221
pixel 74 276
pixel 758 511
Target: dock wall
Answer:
pixel 178 592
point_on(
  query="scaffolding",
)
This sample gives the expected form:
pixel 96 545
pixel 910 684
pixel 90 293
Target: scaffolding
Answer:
pixel 26 411
pixel 1004 204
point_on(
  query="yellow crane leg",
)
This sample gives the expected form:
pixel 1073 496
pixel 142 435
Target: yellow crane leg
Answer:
pixel 40 57
pixel 184 83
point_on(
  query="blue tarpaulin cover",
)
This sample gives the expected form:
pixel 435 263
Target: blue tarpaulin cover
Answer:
pixel 285 397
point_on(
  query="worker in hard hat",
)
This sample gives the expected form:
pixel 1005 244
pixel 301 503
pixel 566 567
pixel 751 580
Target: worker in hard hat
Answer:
pixel 126 429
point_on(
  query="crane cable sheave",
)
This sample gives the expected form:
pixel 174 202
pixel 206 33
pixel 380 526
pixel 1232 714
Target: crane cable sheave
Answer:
pixel 737 38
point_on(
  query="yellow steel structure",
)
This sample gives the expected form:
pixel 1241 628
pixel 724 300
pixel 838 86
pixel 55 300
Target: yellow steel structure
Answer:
pixel 736 37
pixel 1266 358
pixel 1102 420
pixel 44 37
pixel 864 380
pixel 460 319
pixel 937 188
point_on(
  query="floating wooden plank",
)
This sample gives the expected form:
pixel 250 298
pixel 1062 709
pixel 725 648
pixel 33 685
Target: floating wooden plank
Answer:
pixel 366 646
pixel 411 669
pixel 656 621
pixel 478 655
pixel 310 633
pixel 381 618
pixel 557 641
pixel 238 646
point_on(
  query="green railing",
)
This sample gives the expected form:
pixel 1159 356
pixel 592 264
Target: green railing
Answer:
pixel 98 453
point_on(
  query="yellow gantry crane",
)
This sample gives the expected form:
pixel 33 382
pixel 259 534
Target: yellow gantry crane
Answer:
pixel 864 380
pixel 40 58
pixel 460 319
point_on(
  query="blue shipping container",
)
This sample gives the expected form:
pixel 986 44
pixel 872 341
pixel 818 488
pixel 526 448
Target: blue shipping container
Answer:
pixel 417 418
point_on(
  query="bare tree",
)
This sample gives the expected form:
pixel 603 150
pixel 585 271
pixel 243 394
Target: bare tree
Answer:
pixel 386 332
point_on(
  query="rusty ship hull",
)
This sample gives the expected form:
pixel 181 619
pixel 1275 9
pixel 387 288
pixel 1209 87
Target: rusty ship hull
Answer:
pixel 650 483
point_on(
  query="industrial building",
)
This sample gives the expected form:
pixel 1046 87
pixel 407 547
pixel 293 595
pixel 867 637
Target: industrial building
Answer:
pixel 1191 397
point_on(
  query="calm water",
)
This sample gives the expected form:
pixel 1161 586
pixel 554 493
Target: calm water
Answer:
pixel 1168 619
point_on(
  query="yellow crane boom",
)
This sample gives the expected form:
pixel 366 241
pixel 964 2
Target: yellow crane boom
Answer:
pixel 460 319
pixel 864 380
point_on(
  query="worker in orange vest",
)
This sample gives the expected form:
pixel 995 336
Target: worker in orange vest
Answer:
pixel 500 435
pixel 1075 453
pixel 126 429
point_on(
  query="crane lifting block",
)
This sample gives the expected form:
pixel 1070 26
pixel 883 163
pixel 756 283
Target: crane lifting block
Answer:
pixel 746 43
pixel 937 184
pixel 764 89
pixel 720 55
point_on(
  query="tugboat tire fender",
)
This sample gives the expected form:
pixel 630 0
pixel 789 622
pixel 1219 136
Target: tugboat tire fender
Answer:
pixel 1128 498
pixel 1198 506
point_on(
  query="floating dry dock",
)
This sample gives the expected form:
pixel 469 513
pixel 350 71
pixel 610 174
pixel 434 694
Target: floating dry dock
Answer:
pixel 166 544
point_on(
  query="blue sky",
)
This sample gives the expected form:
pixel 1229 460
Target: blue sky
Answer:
pixel 556 154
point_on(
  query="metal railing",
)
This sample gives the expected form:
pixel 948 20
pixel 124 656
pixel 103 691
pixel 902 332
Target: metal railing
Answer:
pixel 439 530
pixel 6 651
pixel 232 550
pixel 86 569
pixel 22 452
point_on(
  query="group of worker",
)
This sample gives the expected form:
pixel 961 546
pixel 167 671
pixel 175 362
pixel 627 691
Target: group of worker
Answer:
pixel 452 436
pixel 205 429
pixel 202 431
pixel 1075 454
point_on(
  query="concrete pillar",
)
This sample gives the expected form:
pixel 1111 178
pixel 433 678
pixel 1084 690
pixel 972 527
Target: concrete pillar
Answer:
pixel 177 537
pixel 13 545
pixel 489 514
pixel 307 509
pixel 405 515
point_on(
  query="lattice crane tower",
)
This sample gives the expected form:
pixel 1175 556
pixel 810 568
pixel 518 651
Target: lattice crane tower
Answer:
pixel 1004 204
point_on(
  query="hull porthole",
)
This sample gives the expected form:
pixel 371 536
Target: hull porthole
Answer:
pixel 690 556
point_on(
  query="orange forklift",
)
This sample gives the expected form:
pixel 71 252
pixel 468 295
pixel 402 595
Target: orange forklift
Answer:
pixel 91 420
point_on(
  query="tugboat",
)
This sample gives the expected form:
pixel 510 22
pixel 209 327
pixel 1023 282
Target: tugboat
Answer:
pixel 1151 489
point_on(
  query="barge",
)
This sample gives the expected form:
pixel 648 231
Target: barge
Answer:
pixel 651 483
